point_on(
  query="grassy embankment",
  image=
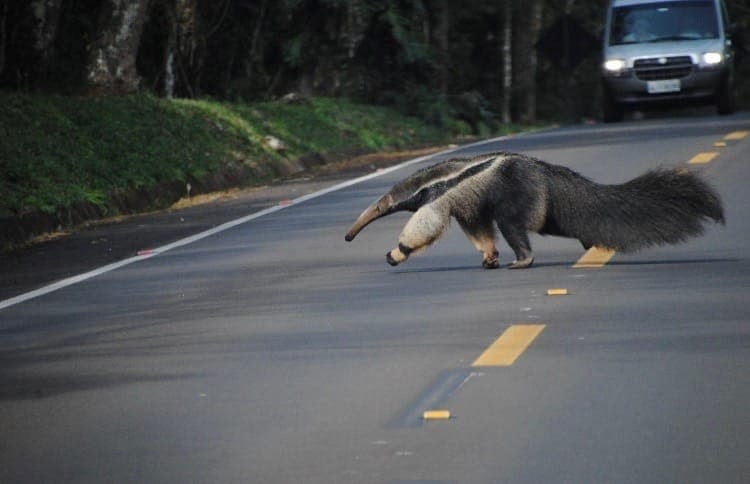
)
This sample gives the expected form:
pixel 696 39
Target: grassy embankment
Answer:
pixel 67 160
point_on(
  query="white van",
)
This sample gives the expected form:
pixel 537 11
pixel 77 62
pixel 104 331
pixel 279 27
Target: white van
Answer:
pixel 661 51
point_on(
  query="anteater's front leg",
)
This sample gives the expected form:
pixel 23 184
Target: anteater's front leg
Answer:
pixel 423 228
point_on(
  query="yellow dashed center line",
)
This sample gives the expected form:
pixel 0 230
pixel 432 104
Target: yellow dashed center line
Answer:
pixel 702 158
pixel 594 257
pixel 736 135
pixel 509 346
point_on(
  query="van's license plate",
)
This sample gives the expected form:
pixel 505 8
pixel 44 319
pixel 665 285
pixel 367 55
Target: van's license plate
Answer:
pixel 659 87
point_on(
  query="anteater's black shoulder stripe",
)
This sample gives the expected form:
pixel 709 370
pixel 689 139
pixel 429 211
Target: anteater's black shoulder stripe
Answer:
pixel 474 170
pixel 443 186
pixel 431 183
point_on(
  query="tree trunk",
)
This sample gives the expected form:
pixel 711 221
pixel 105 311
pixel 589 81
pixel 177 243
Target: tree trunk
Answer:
pixel 253 61
pixel 3 34
pixel 442 30
pixel 169 75
pixel 190 45
pixel 356 24
pixel 47 17
pixel 171 51
pixel 526 57
pixel 111 67
pixel 506 50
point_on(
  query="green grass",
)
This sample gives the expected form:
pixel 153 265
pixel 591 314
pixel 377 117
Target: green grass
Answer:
pixel 58 153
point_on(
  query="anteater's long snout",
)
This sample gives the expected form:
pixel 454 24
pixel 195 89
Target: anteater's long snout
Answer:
pixel 378 209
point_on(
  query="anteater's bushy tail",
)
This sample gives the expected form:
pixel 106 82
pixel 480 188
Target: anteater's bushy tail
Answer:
pixel 664 206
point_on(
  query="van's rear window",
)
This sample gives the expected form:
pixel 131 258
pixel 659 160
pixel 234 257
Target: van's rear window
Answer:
pixel 664 22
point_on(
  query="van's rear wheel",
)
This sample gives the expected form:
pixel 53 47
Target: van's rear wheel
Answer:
pixel 612 111
pixel 725 102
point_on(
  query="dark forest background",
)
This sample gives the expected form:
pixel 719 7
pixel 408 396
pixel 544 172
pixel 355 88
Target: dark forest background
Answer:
pixel 496 61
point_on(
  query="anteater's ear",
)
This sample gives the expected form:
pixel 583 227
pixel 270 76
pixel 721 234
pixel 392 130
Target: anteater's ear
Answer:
pixel 380 208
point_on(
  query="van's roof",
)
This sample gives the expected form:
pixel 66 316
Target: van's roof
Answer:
pixel 625 3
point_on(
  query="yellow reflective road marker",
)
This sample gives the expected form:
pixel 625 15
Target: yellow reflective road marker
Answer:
pixel 509 346
pixel 436 415
pixel 557 292
pixel 736 135
pixel 720 144
pixel 702 158
pixel 594 257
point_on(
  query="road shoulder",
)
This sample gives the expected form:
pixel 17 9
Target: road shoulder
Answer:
pixel 57 256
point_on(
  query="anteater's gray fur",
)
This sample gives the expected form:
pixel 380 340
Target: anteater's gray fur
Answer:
pixel 522 194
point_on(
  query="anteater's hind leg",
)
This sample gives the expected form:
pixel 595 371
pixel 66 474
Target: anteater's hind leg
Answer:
pixel 483 238
pixel 518 240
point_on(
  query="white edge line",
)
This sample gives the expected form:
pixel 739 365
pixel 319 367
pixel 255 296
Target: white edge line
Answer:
pixel 226 226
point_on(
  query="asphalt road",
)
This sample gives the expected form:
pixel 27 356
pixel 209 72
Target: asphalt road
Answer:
pixel 274 351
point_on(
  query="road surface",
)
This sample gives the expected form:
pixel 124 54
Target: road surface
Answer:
pixel 274 351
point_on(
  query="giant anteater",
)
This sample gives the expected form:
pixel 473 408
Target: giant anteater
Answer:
pixel 522 194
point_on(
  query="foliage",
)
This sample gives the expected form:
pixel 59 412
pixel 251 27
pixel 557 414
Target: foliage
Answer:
pixel 403 52
pixel 58 152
